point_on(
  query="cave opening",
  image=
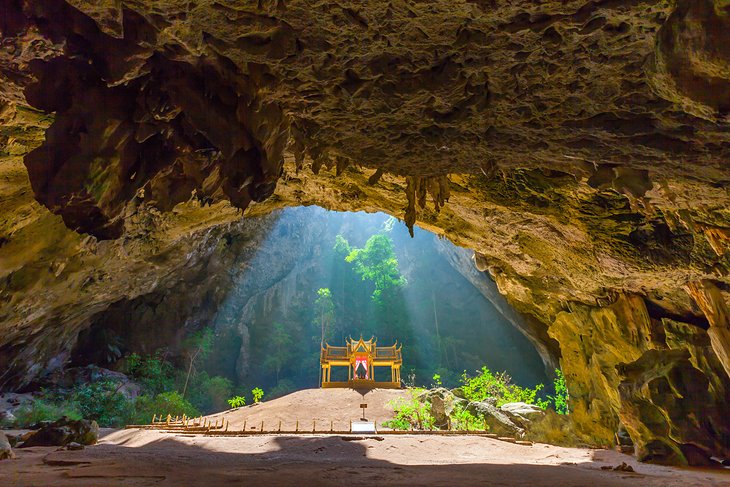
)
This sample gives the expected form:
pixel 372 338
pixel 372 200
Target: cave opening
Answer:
pixel 432 300
pixel 274 285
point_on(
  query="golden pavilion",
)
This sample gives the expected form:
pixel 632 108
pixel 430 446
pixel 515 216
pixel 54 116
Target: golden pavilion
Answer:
pixel 361 357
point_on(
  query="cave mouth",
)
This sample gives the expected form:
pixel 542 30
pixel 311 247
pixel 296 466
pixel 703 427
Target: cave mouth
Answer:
pixel 377 281
pixel 302 272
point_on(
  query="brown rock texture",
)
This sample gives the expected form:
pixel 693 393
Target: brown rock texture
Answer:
pixel 580 147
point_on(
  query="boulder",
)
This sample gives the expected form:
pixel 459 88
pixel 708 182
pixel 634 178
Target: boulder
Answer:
pixel 62 432
pixel 522 409
pixel 624 443
pixel 6 452
pixel 498 422
pixel 458 392
pixel 522 413
pixel 442 403
pixel 553 428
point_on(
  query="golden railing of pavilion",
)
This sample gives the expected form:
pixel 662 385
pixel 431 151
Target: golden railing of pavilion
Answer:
pixel 361 357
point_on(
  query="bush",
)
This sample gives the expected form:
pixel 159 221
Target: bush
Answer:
pixel 560 399
pixel 461 419
pixel 153 373
pixel 257 394
pixel 237 402
pixel 499 385
pixel 43 410
pixel 209 394
pixel 282 388
pixel 102 402
pixel 410 413
pixel 165 403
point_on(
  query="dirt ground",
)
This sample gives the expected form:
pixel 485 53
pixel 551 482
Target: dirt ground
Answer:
pixel 326 407
pixel 140 458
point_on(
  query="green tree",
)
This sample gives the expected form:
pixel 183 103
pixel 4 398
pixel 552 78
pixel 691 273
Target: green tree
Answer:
pixel 325 310
pixel 279 349
pixel 197 348
pixel 377 263
pixel 342 247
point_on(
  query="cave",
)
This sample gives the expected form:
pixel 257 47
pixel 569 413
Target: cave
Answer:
pixel 165 166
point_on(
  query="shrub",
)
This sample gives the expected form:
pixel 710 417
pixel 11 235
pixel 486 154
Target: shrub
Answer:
pixel 461 419
pixel 410 413
pixel 153 373
pixel 102 402
pixel 165 403
pixel 237 401
pixel 209 394
pixel 43 410
pixel 282 388
pixel 437 380
pixel 560 399
pixel 499 385
pixel 257 394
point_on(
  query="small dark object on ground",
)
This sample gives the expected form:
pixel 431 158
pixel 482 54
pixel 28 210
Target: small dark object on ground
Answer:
pixel 359 438
pixel 624 467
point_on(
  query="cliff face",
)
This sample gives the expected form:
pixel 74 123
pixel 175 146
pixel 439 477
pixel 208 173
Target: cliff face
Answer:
pixel 582 147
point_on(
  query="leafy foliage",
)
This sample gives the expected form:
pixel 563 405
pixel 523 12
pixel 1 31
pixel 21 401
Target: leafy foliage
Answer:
pixel 209 393
pixel 376 262
pixel 152 372
pixel 257 393
pixel 171 403
pixel 282 388
pixel 198 347
pixel 410 413
pixel 325 309
pixel 560 399
pixel 437 380
pixel 237 401
pixel 462 419
pixel 486 384
pixel 102 402
pixel 280 342
pixel 43 410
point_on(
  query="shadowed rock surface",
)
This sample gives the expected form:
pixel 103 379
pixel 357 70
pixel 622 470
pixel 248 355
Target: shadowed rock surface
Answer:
pixel 580 148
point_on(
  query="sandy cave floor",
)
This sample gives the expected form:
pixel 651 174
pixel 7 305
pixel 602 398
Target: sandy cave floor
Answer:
pixel 152 458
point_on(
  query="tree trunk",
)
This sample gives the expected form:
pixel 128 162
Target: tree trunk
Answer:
pixel 436 323
pixel 190 369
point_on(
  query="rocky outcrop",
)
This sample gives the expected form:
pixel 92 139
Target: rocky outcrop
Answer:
pixel 497 420
pixel 441 403
pixel 62 432
pixel 581 145
pixel 658 376
pixel 6 452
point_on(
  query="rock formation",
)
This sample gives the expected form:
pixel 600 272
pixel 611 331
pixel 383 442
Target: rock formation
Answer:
pixel 580 147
